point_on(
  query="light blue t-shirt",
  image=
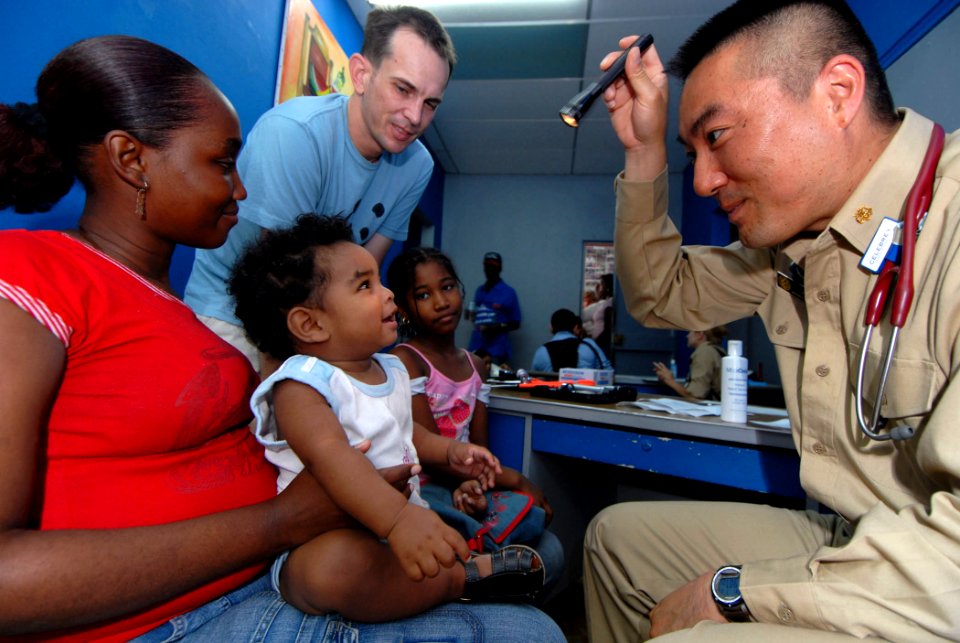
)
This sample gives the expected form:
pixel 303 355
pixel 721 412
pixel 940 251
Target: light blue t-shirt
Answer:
pixel 589 354
pixel 299 158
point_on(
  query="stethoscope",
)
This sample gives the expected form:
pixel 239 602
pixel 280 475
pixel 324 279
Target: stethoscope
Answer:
pixel 899 278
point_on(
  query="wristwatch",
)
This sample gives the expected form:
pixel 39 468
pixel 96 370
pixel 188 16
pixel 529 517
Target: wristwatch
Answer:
pixel 725 588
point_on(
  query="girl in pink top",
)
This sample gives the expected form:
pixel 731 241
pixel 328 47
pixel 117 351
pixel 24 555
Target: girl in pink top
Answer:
pixel 449 396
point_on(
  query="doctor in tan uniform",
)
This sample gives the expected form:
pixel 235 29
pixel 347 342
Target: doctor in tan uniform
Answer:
pixel 787 117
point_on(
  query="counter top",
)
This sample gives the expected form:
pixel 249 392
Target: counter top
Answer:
pixel 625 417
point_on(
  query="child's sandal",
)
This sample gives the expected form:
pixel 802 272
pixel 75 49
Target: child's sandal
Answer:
pixel 517 575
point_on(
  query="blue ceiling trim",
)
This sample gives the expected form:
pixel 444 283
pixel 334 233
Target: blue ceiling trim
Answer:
pixel 518 51
pixel 895 26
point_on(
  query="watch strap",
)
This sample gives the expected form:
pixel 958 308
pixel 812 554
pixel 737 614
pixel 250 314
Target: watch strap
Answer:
pixel 735 610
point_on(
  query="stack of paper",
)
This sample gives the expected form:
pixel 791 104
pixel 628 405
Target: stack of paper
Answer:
pixel 677 406
pixel 783 423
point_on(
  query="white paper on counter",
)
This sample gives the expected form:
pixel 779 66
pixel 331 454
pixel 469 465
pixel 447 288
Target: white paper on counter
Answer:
pixel 676 406
pixel 783 423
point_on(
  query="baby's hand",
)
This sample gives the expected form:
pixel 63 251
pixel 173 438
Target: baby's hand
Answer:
pixel 422 543
pixel 469 498
pixel 474 462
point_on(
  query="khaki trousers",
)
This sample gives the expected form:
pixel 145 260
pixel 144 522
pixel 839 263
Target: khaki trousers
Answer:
pixel 636 553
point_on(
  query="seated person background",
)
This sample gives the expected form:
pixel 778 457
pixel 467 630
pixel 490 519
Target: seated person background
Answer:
pixel 568 348
pixel 703 380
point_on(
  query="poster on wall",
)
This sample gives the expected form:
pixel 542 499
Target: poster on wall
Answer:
pixel 312 63
pixel 598 259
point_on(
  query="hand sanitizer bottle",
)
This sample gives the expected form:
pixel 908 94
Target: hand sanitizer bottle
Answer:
pixel 733 384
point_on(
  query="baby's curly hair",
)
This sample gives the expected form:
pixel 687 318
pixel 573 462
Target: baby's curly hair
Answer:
pixel 279 272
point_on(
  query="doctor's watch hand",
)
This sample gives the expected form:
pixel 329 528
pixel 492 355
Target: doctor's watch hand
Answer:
pixel 685 607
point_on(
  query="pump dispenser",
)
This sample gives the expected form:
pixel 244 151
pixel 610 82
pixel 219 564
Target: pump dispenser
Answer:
pixel 733 384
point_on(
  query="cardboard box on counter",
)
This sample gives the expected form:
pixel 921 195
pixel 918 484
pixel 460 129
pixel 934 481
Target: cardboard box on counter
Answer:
pixel 601 377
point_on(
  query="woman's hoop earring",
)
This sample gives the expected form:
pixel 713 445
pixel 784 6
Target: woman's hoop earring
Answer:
pixel 142 201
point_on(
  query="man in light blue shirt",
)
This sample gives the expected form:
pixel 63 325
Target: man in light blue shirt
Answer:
pixel 568 348
pixel 356 156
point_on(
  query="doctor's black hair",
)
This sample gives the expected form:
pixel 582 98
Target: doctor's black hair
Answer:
pixel 280 271
pixel 401 279
pixel 791 40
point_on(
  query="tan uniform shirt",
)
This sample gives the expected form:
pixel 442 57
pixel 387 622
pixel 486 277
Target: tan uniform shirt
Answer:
pixel 704 377
pixel 901 568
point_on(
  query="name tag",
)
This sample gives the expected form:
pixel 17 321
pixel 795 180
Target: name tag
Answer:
pixel 882 245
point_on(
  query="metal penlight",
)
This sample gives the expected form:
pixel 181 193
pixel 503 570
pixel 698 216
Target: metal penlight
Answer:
pixel 577 106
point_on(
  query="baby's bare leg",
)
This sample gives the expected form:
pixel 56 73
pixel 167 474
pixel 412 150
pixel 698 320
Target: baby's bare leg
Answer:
pixel 351 572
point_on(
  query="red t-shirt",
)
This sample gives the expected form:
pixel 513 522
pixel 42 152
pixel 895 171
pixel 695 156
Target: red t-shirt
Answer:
pixel 150 424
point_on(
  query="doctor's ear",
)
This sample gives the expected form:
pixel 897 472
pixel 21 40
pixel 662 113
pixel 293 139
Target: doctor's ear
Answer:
pixel 307 325
pixel 843 80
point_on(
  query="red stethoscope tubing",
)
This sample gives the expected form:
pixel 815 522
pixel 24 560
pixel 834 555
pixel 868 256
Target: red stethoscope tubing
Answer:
pixel 917 203
pixel 900 279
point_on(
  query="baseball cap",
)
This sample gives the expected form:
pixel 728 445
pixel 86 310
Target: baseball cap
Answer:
pixel 493 257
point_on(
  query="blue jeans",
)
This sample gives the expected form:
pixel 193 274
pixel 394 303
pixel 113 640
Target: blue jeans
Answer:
pixel 551 553
pixel 255 612
pixel 548 546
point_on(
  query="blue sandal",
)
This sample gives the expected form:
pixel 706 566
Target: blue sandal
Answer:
pixel 517 575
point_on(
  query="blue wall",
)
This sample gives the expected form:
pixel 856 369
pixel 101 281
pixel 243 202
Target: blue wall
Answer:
pixel 236 42
pixel 895 26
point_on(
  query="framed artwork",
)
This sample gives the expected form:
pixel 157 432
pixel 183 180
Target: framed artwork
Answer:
pixel 312 63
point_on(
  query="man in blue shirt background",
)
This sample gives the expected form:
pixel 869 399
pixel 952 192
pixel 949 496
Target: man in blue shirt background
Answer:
pixel 496 312
pixel 568 348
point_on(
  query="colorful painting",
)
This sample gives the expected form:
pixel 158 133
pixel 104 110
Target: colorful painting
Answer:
pixel 312 63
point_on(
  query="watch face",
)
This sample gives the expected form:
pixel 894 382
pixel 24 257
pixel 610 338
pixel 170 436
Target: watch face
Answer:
pixel 728 587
